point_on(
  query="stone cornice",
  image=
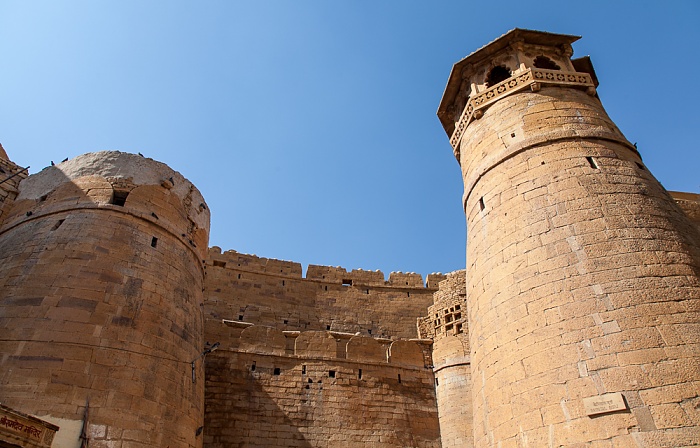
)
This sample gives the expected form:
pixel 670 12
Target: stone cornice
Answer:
pixel 532 78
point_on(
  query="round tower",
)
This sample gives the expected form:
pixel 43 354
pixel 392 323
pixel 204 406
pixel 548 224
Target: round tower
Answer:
pixel 100 292
pixel 447 321
pixel 582 272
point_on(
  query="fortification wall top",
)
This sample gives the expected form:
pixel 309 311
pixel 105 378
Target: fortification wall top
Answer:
pixel 325 274
pixel 121 182
pixel 248 262
pixel 689 203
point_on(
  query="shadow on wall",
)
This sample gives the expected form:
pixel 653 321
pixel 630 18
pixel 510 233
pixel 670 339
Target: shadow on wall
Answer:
pixel 239 412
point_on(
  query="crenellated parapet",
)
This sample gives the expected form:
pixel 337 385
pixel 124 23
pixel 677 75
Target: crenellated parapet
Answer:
pixel 252 263
pixel 325 274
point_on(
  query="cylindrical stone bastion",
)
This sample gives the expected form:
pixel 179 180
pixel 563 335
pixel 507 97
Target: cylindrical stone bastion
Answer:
pixel 100 302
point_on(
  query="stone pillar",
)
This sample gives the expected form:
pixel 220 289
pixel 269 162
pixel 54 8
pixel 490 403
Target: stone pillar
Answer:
pixel 582 272
pixel 100 302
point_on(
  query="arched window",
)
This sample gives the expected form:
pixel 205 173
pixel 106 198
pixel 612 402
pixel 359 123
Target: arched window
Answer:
pixel 497 74
pixel 545 63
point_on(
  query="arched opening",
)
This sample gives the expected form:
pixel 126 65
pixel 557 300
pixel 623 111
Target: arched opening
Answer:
pixel 497 74
pixel 545 63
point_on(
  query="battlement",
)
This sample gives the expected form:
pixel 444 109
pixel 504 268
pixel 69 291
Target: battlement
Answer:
pixel 325 274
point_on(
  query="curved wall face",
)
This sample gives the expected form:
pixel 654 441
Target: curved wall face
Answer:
pixel 100 293
pixel 452 389
pixel 582 280
pixel 446 324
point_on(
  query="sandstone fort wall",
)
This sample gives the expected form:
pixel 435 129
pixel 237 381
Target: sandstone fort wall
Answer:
pixel 266 387
pixel 576 323
pixel 271 292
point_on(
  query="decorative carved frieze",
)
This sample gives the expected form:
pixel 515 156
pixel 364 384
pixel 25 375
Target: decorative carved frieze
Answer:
pixel 533 78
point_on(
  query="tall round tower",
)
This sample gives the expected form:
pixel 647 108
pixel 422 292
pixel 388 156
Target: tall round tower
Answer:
pixel 100 291
pixel 582 272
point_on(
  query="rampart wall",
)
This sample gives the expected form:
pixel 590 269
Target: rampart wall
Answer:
pixel 690 204
pixel 271 292
pixel 268 388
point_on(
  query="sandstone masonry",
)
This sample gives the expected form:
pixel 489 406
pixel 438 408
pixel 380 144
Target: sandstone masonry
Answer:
pixel 575 323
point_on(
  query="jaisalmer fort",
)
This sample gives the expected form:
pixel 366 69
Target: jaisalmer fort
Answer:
pixel 575 323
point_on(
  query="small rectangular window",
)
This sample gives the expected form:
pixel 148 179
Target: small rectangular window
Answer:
pixel 482 206
pixel 119 198
pixel 219 264
pixel 252 368
pixel 399 378
pixel 331 373
pixel 276 371
pixel 154 241
pixel 347 282
pixel 303 369
pixel 359 374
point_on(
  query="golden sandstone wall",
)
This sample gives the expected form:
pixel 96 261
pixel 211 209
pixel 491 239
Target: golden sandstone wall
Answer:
pixel 576 322
pixel 274 293
pixel 270 388
pixel 100 293
pixel 582 276
pixel 326 359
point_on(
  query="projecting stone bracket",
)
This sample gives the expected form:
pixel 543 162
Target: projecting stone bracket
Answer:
pixel 532 78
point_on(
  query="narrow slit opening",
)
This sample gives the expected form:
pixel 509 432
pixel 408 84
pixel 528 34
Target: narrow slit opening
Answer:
pixel 58 224
pixel 592 162
pixel 154 241
pixel 482 206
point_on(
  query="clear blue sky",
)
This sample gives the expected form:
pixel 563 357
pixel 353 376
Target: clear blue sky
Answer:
pixel 310 126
